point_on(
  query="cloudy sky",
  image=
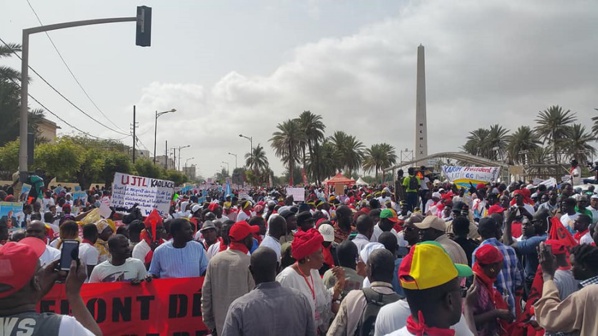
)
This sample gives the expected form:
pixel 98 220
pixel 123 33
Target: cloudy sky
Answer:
pixel 238 66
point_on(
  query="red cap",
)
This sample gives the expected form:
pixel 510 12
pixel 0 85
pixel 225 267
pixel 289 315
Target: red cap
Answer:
pixel 212 207
pixel 18 263
pixel 556 246
pixel 488 254
pixel 496 208
pixel 240 230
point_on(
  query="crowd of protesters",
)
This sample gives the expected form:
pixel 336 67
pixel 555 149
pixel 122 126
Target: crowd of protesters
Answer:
pixel 418 257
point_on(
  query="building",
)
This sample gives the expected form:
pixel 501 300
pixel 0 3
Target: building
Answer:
pixel 190 172
pixel 139 153
pixel 161 161
pixel 47 129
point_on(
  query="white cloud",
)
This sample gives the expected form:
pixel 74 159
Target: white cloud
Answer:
pixel 486 62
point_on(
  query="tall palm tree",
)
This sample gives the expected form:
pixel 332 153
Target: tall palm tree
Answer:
pixel 552 127
pixel 496 142
pixel 258 162
pixel 476 142
pixel 349 151
pixel 286 143
pixel 520 143
pixel 378 157
pixel 323 160
pixel 313 128
pixel 578 143
pixel 595 126
pixel 6 73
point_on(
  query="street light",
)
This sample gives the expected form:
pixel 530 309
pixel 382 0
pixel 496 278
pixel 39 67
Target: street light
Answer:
pixel 235 155
pixel 158 114
pixel 227 167
pixel 191 158
pixel 180 154
pixel 251 144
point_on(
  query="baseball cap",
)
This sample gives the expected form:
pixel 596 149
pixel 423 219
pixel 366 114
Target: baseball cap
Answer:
pixel 432 222
pixel 304 216
pixel 327 231
pixel 240 230
pixel 427 266
pixel 195 208
pixel 388 214
pixel 18 263
pixel 436 195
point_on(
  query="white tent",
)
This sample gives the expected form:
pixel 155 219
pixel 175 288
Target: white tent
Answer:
pixel 361 182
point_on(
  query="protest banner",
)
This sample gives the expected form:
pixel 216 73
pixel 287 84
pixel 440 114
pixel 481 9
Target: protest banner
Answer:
pixel 160 307
pixel 297 193
pixel 25 189
pixel 149 193
pixel 464 176
pixel 80 195
pixel 11 214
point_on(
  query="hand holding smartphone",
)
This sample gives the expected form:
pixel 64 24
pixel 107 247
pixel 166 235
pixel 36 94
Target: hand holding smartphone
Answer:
pixel 70 252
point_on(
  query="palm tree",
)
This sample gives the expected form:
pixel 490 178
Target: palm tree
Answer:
pixel 257 161
pixel 520 143
pixel 323 160
pixel 349 151
pixel 595 126
pixel 496 142
pixel 6 73
pixel 578 143
pixel 476 142
pixel 552 127
pixel 313 128
pixel 286 143
pixel 379 157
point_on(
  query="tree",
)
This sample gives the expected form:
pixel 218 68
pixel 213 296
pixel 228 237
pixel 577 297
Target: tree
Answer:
pixel 115 162
pixel 62 159
pixel 496 142
pixel 521 143
pixel 9 156
pixel 476 142
pixel 595 126
pixel 313 130
pixel 323 160
pixel 349 151
pixel 258 163
pixel 577 143
pixel 175 176
pixel 286 143
pixel 553 128
pixel 378 157
pixel 145 167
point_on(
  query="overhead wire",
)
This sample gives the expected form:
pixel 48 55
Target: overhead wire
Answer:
pixel 69 69
pixel 61 95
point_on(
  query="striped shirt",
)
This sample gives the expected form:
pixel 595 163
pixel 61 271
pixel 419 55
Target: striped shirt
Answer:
pixel 510 276
pixel 171 262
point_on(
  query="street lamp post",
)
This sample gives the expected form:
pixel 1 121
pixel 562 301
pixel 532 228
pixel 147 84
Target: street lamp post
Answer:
pixel 158 114
pixel 251 144
pixel 227 168
pixel 235 155
pixel 180 154
pixel 191 158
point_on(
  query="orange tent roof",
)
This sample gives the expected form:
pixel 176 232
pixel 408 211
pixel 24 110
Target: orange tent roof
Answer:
pixel 340 179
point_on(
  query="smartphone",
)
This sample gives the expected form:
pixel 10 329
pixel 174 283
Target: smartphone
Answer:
pixel 70 252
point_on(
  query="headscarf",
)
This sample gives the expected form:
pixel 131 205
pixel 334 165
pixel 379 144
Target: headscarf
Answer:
pixel 306 243
pixel 100 244
pixel 151 222
pixel 526 196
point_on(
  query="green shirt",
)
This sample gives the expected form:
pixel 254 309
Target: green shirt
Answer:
pixel 406 183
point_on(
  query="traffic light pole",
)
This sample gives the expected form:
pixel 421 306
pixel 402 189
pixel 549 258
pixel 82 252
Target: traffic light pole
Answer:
pixel 23 169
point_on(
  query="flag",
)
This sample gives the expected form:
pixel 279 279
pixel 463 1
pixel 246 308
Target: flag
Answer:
pixel 560 233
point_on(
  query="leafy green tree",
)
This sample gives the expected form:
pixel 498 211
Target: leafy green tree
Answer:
pixel 520 143
pixel 553 126
pixel 349 151
pixel 258 163
pixel 62 159
pixel 9 156
pixel 115 162
pixel 145 167
pixel 578 143
pixel 313 129
pixel 175 176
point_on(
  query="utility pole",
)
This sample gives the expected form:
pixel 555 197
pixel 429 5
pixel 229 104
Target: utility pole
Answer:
pixel 134 137
pixel 166 156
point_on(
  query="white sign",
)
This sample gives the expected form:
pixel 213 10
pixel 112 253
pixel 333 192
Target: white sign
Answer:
pixel 149 193
pixel 465 175
pixel 297 193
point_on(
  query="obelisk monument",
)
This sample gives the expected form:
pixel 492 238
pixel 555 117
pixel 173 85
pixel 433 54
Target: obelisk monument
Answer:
pixel 421 128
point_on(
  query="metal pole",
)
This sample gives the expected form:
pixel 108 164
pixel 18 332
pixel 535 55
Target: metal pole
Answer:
pixel 179 159
pixel 166 156
pixel 24 115
pixel 134 138
pixel 23 126
pixel 155 137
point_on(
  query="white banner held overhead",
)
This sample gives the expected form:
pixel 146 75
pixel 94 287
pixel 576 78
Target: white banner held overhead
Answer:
pixel 463 176
pixel 297 193
pixel 149 193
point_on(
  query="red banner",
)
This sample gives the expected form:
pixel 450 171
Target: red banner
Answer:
pixel 160 307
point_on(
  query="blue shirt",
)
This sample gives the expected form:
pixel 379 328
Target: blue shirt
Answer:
pixel 510 277
pixel 396 285
pixel 171 262
pixel 528 248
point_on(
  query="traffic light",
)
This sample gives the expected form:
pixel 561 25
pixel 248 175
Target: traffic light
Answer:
pixel 144 26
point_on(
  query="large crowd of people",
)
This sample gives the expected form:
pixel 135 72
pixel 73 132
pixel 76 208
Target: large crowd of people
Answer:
pixel 413 258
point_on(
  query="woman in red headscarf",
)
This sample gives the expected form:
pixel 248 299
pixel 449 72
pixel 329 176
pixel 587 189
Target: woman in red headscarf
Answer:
pixel 303 275
pixel 484 302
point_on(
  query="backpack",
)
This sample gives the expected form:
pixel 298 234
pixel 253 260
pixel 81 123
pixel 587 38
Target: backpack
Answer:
pixel 413 183
pixel 374 301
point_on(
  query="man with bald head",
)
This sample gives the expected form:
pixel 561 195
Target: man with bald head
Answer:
pixel 37 229
pixel 252 313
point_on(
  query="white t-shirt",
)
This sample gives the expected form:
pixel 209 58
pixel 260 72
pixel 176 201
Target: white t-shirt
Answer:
pixel 394 316
pixel 69 326
pixel 273 244
pixel 213 249
pixel 88 254
pixel 132 269
pixel 141 250
pixel 50 255
pixel 568 220
pixel 241 216
pixel 586 239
